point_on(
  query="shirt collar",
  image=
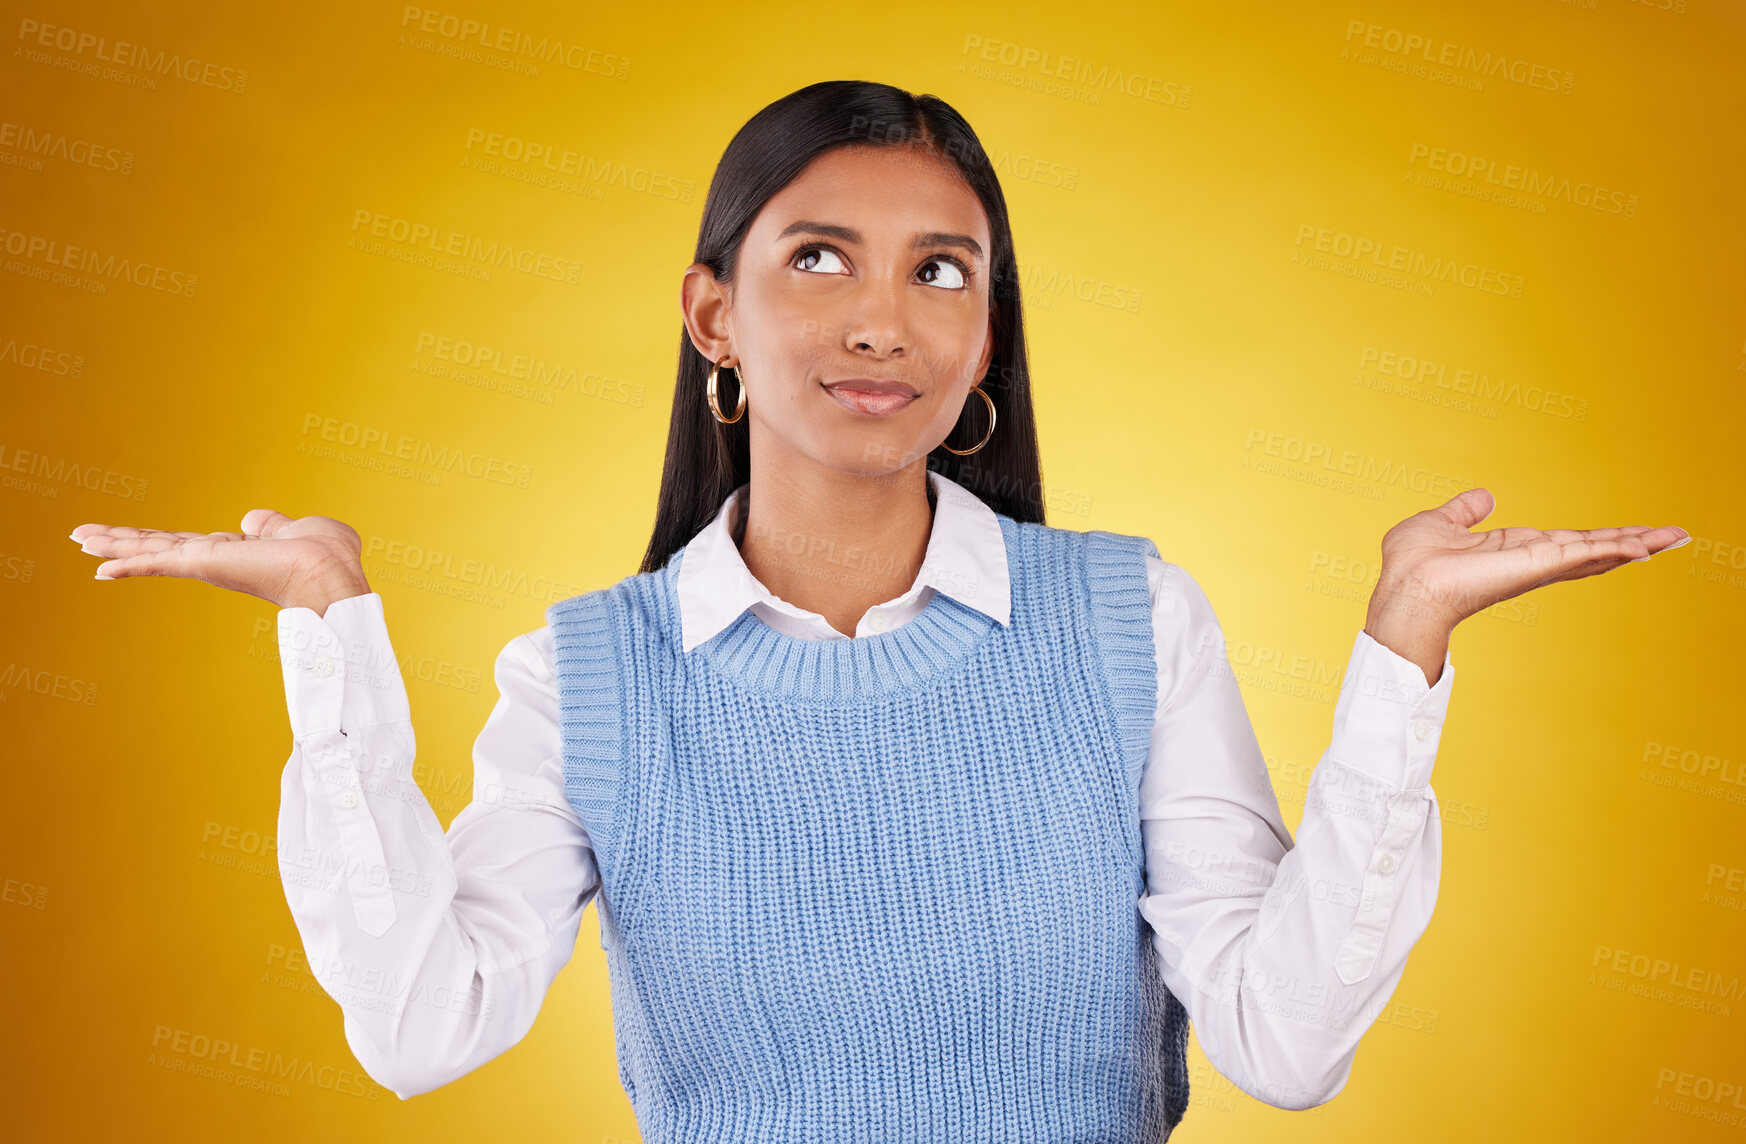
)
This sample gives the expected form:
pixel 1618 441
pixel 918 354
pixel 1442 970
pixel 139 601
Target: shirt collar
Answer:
pixel 965 559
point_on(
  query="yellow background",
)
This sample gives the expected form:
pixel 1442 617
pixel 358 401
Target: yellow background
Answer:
pixel 1228 406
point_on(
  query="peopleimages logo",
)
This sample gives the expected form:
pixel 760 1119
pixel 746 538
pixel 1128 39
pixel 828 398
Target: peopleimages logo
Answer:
pixel 372 442
pixel 430 240
pixel 106 265
pixel 49 144
pixel 46 359
pixel 555 158
pixel 34 34
pixel 265 1064
pixel 1458 57
pixel 1025 59
pixel 1511 177
pixel 1476 383
pixel 53 473
pixel 1405 260
pixel 468 32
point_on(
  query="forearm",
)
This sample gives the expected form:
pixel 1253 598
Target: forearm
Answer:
pixel 439 947
pixel 1285 953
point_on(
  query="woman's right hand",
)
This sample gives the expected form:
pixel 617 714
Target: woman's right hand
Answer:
pixel 309 562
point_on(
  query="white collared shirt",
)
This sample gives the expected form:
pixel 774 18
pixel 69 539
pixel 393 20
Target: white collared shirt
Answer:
pixel 441 947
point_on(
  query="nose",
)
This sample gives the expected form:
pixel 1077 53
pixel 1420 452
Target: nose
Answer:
pixel 878 324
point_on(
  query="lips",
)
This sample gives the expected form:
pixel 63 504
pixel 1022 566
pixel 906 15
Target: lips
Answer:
pixel 870 395
pixel 870 385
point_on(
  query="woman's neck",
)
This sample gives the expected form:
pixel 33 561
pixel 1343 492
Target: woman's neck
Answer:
pixel 837 546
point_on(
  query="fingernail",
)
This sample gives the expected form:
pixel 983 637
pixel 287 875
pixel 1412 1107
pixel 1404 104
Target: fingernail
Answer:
pixel 1638 559
pixel 101 576
pixel 70 536
pixel 1677 543
pixel 86 546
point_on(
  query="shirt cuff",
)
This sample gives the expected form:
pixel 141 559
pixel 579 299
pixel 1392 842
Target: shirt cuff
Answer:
pixel 1388 723
pixel 340 669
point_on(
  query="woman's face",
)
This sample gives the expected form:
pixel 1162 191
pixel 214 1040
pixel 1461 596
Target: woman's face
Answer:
pixel 873 265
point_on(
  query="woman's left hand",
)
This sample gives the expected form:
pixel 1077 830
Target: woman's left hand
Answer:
pixel 1443 573
pixel 1436 573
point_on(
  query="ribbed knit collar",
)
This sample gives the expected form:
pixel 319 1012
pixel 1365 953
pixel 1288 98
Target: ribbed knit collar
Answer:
pixel 965 559
pixel 935 643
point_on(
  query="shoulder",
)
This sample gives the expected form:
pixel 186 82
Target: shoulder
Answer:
pixel 636 585
pixel 1167 581
pixel 1185 627
pixel 1097 543
pixel 1111 558
pixel 528 656
pixel 1174 589
pixel 644 602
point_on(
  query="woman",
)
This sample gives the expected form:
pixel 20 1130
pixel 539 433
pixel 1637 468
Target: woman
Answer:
pixel 909 815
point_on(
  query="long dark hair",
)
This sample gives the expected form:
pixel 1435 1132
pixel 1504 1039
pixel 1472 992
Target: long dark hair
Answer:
pixel 707 460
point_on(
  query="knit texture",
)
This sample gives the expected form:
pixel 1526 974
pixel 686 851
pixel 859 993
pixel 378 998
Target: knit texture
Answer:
pixel 880 889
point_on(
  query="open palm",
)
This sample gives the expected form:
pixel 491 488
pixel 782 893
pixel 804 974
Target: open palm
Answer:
pixel 1439 568
pixel 289 562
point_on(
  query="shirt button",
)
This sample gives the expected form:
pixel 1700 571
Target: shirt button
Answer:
pixel 323 666
pixel 348 799
pixel 1385 863
pixel 1421 728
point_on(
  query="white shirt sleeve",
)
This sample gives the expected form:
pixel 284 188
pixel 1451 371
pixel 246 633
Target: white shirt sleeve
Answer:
pixel 1282 953
pixel 439 949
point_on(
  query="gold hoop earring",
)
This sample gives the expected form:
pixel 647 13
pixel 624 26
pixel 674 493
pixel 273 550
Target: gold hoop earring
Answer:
pixel 715 403
pixel 978 391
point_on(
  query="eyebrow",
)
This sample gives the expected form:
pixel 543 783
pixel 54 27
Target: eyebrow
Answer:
pixel 849 234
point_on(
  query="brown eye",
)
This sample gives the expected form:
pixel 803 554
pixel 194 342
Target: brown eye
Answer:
pixel 956 279
pixel 809 257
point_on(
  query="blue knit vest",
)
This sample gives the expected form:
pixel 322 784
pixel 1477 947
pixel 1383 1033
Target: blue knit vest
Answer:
pixel 880 889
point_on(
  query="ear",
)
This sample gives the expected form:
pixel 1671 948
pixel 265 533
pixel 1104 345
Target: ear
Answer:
pixel 704 303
